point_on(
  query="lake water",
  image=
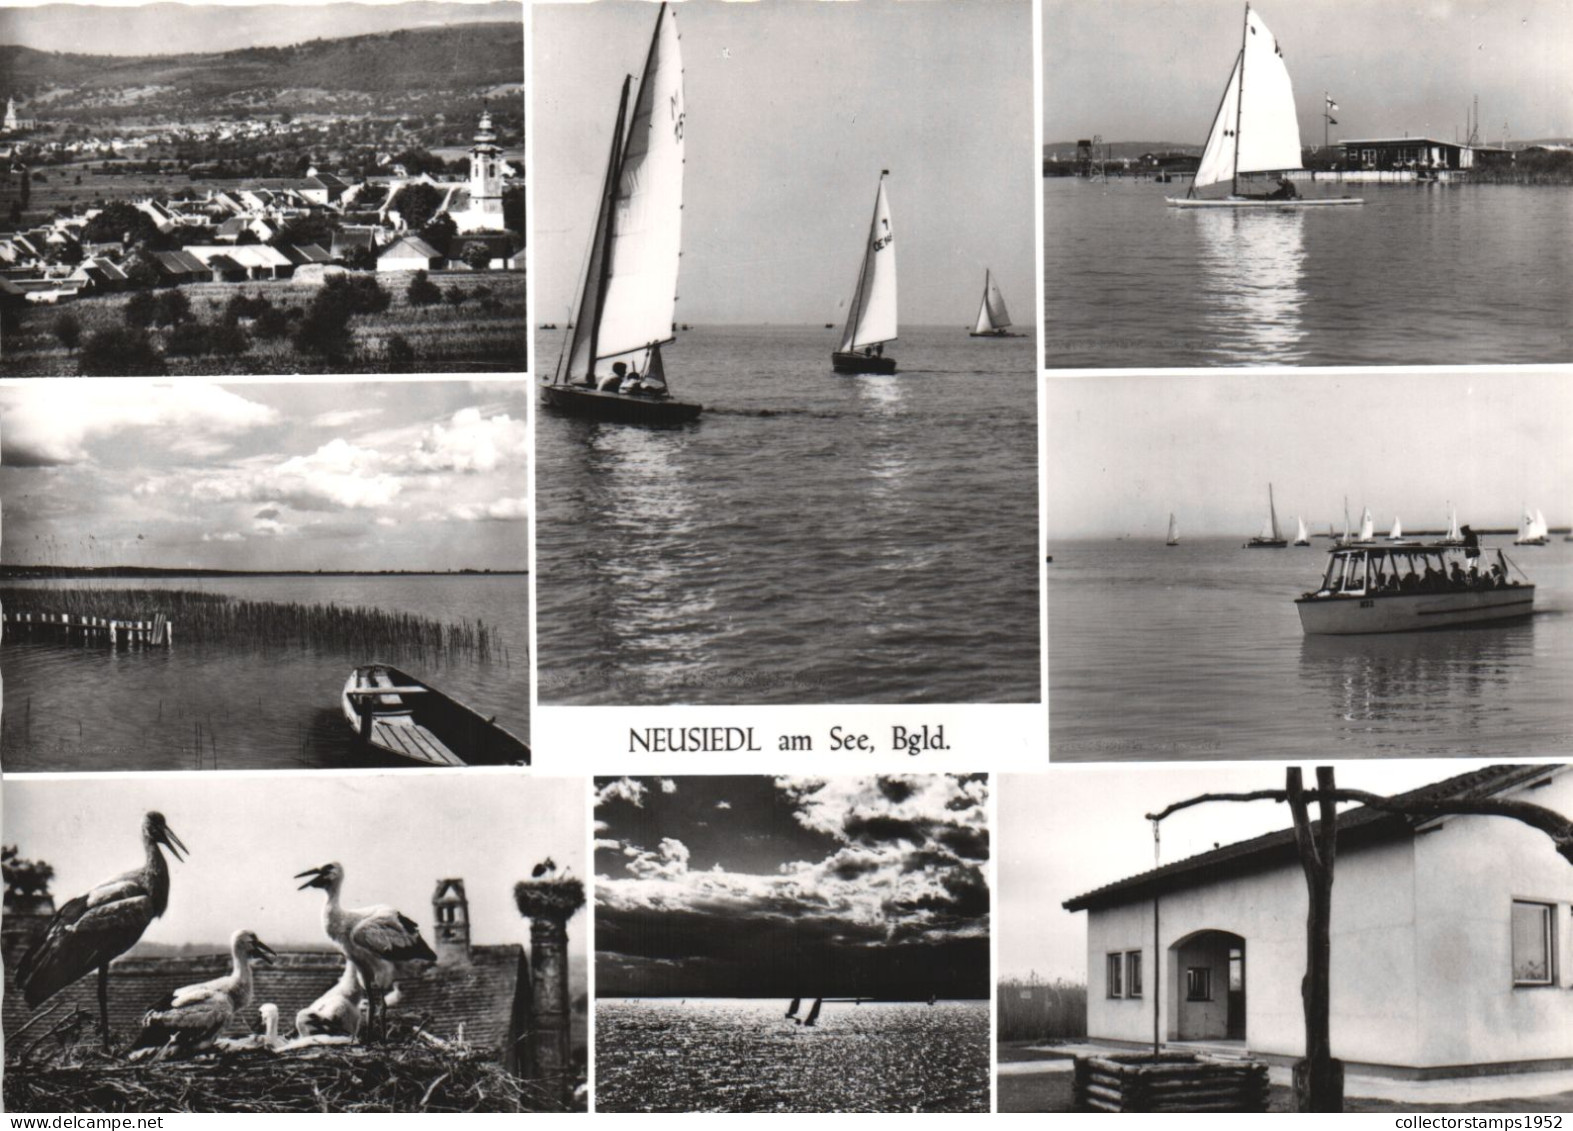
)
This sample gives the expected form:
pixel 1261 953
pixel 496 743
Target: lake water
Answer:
pixel 727 1054
pixel 1449 274
pixel 92 708
pixel 1197 652
pixel 812 538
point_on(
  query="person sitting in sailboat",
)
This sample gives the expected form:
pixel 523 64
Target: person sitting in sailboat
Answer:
pixel 614 383
pixel 1286 189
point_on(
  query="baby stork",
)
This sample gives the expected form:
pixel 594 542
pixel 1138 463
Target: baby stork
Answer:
pixel 337 1012
pixel 95 928
pixel 374 939
pixel 189 1018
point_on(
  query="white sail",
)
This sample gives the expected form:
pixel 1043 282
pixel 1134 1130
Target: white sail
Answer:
pixel 647 212
pixel 1259 134
pixel 992 314
pixel 1541 530
pixel 1301 536
pixel 1454 534
pixel 1271 529
pixel 1526 527
pixel 1174 532
pixel 872 318
pixel 1367 526
pixel 1397 532
pixel 581 350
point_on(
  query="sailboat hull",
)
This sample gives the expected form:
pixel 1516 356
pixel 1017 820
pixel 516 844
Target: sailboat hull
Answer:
pixel 993 334
pixel 1266 544
pixel 1242 202
pixel 861 363
pixel 618 407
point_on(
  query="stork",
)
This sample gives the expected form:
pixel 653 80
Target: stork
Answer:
pixel 101 924
pixel 545 868
pixel 189 1018
pixel 337 1012
pixel 374 939
pixel 267 1039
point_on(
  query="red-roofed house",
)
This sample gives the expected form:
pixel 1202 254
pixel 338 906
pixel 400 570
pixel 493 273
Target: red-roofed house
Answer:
pixel 1452 945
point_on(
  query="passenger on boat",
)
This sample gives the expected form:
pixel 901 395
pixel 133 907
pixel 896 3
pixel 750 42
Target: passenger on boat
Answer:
pixel 1411 580
pixel 1285 191
pixel 1433 579
pixel 1457 576
pixel 615 382
pixel 1471 542
pixel 631 380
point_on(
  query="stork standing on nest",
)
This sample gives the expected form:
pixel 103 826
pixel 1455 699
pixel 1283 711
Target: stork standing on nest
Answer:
pixel 337 1012
pixel 374 939
pixel 189 1018
pixel 101 924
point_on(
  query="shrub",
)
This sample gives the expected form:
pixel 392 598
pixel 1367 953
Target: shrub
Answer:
pixel 68 329
pixel 120 352
pixel 270 324
pixel 173 308
pixel 477 255
pixel 400 352
pixel 422 291
pixel 187 339
pixel 455 295
pixel 140 309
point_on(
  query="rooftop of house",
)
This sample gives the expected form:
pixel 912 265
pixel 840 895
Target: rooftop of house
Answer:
pixel 1359 825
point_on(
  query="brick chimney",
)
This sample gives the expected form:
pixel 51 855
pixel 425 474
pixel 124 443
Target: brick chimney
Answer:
pixel 451 922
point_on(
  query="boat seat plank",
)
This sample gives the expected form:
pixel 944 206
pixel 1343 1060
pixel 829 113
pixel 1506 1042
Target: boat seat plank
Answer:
pixel 413 741
pixel 388 691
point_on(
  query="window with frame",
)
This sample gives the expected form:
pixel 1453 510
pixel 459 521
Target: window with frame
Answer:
pixel 1198 983
pixel 1116 970
pixel 1534 943
pixel 1133 973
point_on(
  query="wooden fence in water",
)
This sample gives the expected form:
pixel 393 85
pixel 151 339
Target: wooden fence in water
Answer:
pixel 89 630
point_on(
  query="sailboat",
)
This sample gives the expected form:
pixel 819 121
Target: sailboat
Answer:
pixel 1301 536
pixel 1174 531
pixel 613 365
pixel 993 319
pixel 1396 537
pixel 1532 529
pixel 871 322
pixel 1455 536
pixel 1367 527
pixel 1255 130
pixel 1269 538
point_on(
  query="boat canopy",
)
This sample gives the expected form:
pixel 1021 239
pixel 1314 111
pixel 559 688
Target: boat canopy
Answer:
pixel 1364 570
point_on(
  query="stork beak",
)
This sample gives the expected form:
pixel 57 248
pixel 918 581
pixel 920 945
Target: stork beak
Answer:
pixel 264 952
pixel 316 878
pixel 173 842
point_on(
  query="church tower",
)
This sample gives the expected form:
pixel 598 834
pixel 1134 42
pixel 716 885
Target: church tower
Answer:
pixel 450 909
pixel 486 165
pixel 10 115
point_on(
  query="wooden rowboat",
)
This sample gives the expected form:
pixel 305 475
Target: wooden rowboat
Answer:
pixel 396 712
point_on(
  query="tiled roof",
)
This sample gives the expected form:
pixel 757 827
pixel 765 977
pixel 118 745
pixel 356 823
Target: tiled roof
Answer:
pixel 408 246
pixel 1360 825
pixel 179 262
pixel 488 996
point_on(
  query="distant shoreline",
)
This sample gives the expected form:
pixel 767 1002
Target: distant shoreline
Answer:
pixel 49 573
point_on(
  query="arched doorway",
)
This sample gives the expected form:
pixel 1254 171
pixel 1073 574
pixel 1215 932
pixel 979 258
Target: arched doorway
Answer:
pixel 1207 987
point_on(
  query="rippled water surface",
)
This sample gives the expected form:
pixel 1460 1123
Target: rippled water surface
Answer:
pixel 1442 274
pixel 812 538
pixel 1197 652
pixel 90 708
pixel 727 1054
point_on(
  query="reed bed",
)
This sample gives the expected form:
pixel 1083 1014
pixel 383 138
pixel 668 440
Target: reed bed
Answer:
pixel 1034 1010
pixel 410 1072
pixel 213 618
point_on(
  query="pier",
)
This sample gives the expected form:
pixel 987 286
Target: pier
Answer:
pixel 89 630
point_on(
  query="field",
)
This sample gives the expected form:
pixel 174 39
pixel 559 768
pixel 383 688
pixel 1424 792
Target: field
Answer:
pixel 743 1055
pixel 486 333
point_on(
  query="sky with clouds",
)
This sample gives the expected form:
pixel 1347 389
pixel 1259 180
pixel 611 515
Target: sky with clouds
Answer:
pixel 1153 70
pixel 385 475
pixel 761 887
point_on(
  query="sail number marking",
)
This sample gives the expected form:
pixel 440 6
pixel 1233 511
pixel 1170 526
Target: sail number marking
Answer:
pixel 677 118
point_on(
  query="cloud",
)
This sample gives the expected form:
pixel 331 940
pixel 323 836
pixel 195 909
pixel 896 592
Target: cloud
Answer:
pixel 55 422
pixel 337 476
pixel 502 510
pixel 668 785
pixel 228 536
pixel 908 866
pixel 339 417
pixel 469 442
pixel 620 789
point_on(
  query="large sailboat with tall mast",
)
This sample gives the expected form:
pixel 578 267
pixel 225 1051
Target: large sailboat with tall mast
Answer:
pixel 612 367
pixel 871 321
pixel 1255 131
pixel 993 319
pixel 1270 538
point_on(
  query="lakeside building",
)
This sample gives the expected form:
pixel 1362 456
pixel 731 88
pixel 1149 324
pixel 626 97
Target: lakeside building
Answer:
pixel 1418 153
pixel 1451 950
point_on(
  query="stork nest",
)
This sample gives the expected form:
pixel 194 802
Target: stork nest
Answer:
pixel 549 899
pixel 410 1072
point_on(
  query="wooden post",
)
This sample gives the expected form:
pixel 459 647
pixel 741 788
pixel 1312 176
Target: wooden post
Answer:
pixel 1318 1078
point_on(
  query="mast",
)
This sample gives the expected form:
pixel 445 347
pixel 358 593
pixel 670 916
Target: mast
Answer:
pixel 1239 107
pixel 1272 513
pixel 598 269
